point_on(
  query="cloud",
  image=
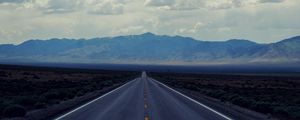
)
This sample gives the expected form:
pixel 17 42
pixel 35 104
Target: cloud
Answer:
pixel 106 7
pixel 204 4
pixel 48 6
pixel 35 4
pixel 11 1
pixel 101 7
pixel 61 6
pixel 271 1
pixel 174 4
pixel 258 20
pixel 194 29
pixel 159 2
pixel 130 30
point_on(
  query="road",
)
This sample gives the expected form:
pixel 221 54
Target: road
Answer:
pixel 143 99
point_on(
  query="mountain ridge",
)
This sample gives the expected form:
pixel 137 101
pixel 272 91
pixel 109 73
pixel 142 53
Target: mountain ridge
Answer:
pixel 151 48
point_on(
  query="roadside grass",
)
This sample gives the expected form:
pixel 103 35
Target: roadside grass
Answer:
pixel 274 95
pixel 25 90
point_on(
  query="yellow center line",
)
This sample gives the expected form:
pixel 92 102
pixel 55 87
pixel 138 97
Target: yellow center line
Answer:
pixel 146 102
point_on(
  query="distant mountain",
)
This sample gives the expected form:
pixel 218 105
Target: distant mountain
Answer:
pixel 150 48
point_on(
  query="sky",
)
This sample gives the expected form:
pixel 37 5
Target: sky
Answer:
pixel 262 21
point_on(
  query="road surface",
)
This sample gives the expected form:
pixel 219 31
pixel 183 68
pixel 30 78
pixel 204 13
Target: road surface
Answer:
pixel 143 99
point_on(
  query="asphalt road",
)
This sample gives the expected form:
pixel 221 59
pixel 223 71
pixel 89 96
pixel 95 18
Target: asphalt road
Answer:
pixel 143 99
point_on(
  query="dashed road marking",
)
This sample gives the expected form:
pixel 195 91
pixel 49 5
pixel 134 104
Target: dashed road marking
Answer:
pixel 146 105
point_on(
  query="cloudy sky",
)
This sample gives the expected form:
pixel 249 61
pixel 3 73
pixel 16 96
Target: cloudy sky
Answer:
pixel 263 21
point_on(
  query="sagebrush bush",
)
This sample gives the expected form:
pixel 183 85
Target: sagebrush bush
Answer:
pixel 14 111
pixel 277 96
pixel 34 90
pixel 40 105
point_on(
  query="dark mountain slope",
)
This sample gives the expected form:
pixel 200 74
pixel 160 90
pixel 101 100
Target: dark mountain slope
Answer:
pixel 150 48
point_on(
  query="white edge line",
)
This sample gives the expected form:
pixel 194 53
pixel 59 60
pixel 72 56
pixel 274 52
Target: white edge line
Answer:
pixel 224 116
pixel 92 101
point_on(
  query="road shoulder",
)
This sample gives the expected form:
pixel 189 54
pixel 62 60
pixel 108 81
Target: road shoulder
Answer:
pixel 233 111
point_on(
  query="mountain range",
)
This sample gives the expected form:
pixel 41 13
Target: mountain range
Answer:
pixel 150 48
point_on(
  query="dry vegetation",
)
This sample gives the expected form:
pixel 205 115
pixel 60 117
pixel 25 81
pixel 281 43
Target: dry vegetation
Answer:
pixel 275 95
pixel 24 89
